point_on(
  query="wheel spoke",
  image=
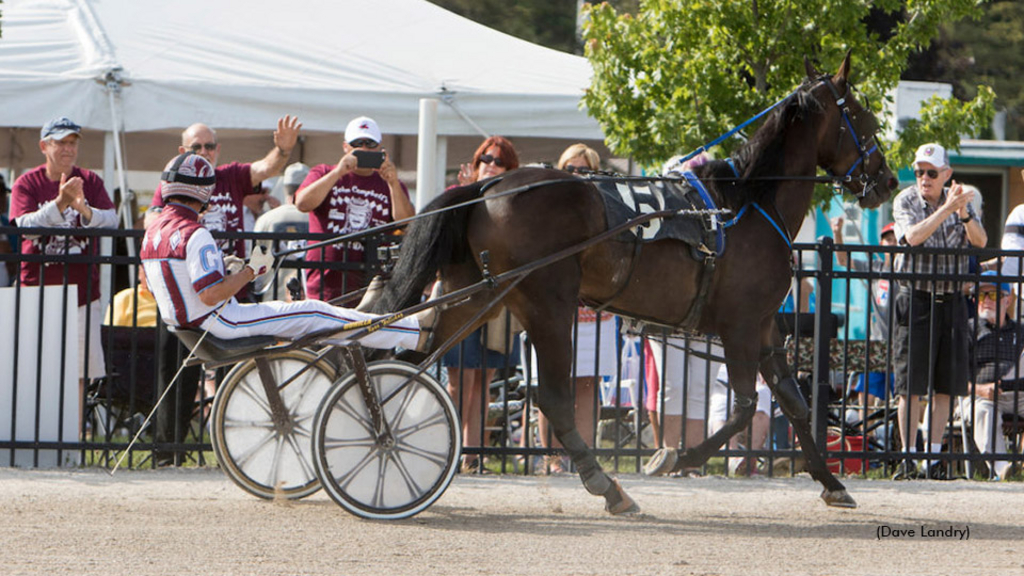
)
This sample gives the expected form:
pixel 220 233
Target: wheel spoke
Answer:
pixel 244 457
pixel 343 406
pixel 256 394
pixel 344 480
pixel 439 458
pixel 307 466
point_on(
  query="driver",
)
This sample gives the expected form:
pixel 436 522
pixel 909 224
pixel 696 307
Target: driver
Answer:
pixel 195 288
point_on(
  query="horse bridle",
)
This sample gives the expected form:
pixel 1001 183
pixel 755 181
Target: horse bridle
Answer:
pixel 868 183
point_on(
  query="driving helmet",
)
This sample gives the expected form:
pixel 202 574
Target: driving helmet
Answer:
pixel 188 175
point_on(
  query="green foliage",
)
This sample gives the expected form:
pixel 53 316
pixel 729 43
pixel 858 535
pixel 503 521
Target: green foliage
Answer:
pixel 681 72
pixel 943 121
pixel 988 51
pixel 550 24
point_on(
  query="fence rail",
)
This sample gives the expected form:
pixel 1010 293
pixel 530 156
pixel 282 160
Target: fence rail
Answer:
pixel 45 419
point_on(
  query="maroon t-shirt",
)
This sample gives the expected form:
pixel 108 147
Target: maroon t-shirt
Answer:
pixel 30 192
pixel 234 182
pixel 354 203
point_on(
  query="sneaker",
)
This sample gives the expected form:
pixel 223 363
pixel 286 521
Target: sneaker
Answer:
pixel 908 470
pixel 373 293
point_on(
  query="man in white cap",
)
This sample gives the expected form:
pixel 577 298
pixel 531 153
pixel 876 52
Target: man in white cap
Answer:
pixel 194 289
pixel 931 333
pixel 60 194
pixel 1013 239
pixel 235 180
pixel 361 191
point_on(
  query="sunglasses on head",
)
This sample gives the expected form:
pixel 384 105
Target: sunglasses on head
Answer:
pixel 488 159
pixel 364 143
pixel 210 147
pixel 933 174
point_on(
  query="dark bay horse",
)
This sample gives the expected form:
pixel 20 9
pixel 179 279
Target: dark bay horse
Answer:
pixel 820 124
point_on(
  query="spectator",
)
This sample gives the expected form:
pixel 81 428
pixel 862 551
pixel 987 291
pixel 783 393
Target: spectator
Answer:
pixel 877 382
pixel 235 181
pixel 8 242
pixel 347 198
pixel 1013 239
pixel 59 194
pixel 255 205
pixel 684 369
pixel 755 435
pixel 595 341
pixel 193 289
pixel 998 382
pixel 471 365
pixel 133 307
pixel 286 218
pixel 931 315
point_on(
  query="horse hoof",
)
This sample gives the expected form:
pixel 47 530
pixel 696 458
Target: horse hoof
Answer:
pixel 663 462
pixel 626 505
pixel 838 498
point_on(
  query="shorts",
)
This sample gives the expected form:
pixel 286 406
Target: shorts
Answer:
pixel 469 354
pixel 593 357
pixel 919 351
pixel 722 397
pixel 96 367
pixel 876 384
pixel 685 380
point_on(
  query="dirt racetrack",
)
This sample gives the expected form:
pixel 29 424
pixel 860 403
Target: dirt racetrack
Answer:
pixel 190 521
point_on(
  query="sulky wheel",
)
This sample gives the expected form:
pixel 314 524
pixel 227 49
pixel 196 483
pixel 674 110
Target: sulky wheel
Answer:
pixel 403 474
pixel 261 439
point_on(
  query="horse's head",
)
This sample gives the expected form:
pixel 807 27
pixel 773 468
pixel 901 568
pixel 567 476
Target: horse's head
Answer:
pixel 849 148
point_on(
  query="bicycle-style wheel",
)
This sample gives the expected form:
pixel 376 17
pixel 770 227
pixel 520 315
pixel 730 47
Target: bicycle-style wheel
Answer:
pixel 263 443
pixel 374 480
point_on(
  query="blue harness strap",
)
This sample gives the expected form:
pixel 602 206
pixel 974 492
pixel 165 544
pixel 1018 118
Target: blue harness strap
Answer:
pixel 709 204
pixel 770 220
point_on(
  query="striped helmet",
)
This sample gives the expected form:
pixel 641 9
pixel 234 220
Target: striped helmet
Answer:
pixel 188 175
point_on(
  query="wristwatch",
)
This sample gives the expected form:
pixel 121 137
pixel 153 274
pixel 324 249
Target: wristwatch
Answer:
pixel 967 219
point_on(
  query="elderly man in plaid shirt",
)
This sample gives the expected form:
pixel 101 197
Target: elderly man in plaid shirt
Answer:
pixel 931 314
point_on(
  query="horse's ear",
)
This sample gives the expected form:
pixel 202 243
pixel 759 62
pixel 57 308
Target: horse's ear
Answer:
pixel 844 68
pixel 811 72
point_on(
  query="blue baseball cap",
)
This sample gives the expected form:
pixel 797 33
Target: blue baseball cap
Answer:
pixel 1002 286
pixel 58 129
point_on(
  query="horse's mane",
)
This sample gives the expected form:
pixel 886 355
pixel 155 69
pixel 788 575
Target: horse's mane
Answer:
pixel 762 155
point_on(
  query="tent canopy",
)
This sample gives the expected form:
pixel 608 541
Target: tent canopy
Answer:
pixel 240 64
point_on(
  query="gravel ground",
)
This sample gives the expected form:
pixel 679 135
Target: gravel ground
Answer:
pixel 188 521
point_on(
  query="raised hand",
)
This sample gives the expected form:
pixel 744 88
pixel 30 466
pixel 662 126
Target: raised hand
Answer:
pixel 287 133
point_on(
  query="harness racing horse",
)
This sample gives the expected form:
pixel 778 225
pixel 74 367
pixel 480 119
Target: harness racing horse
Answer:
pixel 820 124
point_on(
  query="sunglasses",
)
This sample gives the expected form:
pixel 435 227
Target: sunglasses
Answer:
pixel 488 159
pixel 364 143
pixel 933 174
pixel 210 147
pixel 991 295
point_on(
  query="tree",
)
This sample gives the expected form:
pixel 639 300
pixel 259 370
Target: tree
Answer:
pixel 681 72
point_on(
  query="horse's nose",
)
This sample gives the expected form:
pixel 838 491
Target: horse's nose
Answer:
pixel 893 183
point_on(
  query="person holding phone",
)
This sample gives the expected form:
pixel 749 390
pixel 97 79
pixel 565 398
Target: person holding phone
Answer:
pixel 361 191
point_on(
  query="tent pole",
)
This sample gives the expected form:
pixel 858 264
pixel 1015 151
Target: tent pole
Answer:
pixel 426 154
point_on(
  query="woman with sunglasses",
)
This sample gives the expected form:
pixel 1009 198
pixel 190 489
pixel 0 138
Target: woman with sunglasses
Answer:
pixel 472 365
pixel 495 156
pixel 596 353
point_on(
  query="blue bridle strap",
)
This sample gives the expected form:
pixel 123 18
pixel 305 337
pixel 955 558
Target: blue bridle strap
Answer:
pixel 721 138
pixel 770 220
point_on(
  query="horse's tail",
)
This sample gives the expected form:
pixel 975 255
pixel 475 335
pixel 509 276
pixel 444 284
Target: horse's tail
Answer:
pixel 429 243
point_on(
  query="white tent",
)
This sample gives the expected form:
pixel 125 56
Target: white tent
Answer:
pixel 139 66
pixel 239 63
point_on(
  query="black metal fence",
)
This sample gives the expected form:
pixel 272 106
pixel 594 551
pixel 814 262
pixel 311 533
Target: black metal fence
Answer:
pixel 621 411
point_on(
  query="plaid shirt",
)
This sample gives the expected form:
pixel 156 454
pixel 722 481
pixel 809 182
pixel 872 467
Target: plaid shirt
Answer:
pixel 997 352
pixel 909 208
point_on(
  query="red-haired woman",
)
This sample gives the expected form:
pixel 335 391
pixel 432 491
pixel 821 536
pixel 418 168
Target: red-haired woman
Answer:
pixel 471 366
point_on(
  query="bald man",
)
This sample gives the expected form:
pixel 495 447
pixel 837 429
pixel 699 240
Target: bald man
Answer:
pixel 235 181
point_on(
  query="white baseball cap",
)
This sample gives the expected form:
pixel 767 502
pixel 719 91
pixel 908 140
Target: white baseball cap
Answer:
pixel 933 154
pixel 360 128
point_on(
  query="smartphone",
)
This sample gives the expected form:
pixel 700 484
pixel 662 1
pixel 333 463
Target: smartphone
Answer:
pixel 368 158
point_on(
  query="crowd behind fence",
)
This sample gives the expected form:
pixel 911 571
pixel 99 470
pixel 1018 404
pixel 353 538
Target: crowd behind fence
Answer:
pixel 828 348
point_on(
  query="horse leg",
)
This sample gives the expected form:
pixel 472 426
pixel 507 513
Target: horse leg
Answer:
pixel 742 372
pixel 783 385
pixel 548 320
